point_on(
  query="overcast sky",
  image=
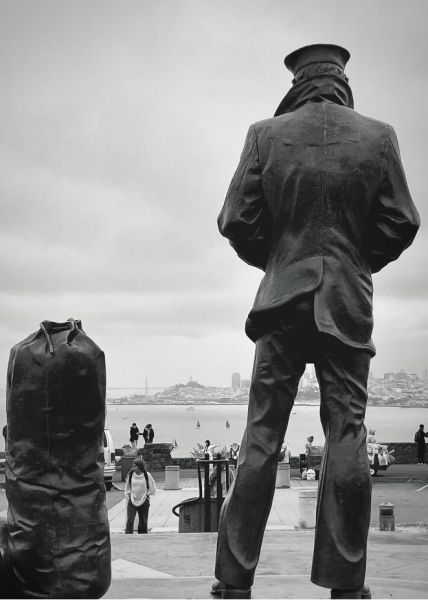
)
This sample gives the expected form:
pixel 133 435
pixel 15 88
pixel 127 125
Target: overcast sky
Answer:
pixel 122 123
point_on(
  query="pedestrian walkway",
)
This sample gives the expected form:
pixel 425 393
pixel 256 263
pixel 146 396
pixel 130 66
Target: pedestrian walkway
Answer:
pixel 284 513
pixel 167 564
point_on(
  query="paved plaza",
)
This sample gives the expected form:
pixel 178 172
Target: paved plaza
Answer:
pixel 168 564
pixel 284 513
pixel 173 565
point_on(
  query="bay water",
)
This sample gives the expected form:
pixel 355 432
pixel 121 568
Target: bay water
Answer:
pixel 186 425
pixel 225 423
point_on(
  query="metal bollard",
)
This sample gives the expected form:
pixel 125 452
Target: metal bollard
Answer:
pixel 386 517
pixel 307 507
pixel 283 475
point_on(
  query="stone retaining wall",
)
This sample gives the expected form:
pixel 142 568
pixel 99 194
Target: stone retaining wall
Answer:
pixel 159 455
pixel 405 453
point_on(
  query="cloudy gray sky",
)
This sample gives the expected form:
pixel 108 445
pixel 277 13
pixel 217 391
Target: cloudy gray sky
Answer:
pixel 121 125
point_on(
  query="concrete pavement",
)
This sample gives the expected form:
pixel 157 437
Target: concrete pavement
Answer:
pixel 173 565
pixel 284 513
pixel 166 564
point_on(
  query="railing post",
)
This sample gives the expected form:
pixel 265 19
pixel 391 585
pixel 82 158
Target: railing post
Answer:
pixel 207 495
pixel 219 466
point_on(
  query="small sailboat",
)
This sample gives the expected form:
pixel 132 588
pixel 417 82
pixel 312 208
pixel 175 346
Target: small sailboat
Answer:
pixel 227 425
pixel 174 443
pixel 198 425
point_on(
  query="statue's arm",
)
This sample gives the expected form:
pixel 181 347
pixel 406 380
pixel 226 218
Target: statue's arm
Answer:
pixel 244 218
pixel 396 219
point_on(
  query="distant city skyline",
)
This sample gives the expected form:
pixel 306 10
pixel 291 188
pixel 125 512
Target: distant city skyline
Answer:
pixel 246 380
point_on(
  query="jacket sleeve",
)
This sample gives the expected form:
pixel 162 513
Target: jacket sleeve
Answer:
pixel 244 218
pixel 397 219
pixel 152 485
pixel 127 491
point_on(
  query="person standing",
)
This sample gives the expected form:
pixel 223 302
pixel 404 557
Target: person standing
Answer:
pixel 420 436
pixel 134 432
pixel 148 434
pixel 371 439
pixel 209 449
pixel 138 488
pixel 319 202
pixel 234 454
pixel 285 453
pixel 308 445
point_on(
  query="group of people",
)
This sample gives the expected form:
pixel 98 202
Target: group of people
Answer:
pixel 232 454
pixel 134 433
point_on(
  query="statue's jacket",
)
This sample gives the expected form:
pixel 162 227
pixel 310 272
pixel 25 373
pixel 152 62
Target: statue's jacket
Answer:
pixel 319 201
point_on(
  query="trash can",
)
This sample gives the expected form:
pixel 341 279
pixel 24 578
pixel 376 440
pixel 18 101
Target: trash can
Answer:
pixel 172 477
pixel 203 513
pixel 283 475
pixel 307 507
pixel 386 517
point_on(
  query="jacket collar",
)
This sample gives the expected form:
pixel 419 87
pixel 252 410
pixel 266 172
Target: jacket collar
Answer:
pixel 316 89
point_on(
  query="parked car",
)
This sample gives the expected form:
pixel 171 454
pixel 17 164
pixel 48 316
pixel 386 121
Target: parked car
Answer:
pixel 109 459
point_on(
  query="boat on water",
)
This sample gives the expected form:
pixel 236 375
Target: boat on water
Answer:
pixel 190 408
pixel 227 424
pixel 198 425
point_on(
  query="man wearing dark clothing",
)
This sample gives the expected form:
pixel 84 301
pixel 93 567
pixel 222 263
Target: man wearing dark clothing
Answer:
pixel 148 434
pixel 319 202
pixel 134 432
pixel 420 436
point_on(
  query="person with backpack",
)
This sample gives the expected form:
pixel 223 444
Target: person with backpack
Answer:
pixel 420 436
pixel 139 485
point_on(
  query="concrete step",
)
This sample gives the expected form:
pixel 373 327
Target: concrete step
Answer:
pixel 172 565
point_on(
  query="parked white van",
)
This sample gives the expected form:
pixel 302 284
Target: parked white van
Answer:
pixel 109 459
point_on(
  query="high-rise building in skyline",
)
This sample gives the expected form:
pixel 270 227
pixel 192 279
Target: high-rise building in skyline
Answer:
pixel 236 381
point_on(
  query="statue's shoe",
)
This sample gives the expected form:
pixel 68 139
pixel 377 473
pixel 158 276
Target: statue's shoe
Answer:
pixel 363 593
pixel 223 590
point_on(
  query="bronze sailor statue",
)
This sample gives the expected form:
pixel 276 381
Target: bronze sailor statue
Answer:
pixel 319 202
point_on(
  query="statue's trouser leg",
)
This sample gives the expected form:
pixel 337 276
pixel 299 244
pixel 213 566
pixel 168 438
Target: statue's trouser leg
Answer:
pixel 344 493
pixel 278 367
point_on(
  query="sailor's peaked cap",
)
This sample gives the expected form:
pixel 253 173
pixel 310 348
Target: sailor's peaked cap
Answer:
pixel 316 53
